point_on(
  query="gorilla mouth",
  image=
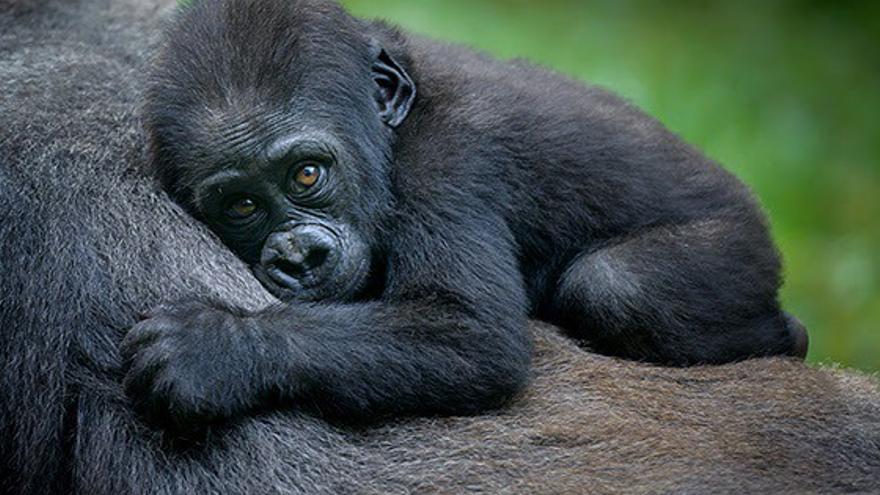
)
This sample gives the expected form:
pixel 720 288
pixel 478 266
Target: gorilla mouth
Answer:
pixel 283 269
pixel 339 283
pixel 293 277
pixel 285 266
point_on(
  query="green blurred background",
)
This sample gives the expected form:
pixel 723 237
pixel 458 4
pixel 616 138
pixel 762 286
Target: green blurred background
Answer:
pixel 785 94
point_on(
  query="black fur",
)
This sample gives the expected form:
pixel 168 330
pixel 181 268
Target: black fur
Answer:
pixel 480 191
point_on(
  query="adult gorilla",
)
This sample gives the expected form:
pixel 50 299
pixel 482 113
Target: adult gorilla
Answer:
pixel 86 242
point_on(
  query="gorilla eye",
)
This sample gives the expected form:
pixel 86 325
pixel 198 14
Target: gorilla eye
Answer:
pixel 306 177
pixel 241 208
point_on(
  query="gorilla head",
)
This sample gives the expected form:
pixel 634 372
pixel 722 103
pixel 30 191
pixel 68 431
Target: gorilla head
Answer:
pixel 285 140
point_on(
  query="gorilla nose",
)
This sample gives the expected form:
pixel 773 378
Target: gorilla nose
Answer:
pixel 295 256
pixel 297 262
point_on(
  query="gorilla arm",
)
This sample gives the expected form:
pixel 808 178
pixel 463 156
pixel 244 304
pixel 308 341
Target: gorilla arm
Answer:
pixel 448 336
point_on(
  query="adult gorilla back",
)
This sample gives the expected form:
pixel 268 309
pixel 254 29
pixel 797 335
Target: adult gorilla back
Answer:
pixel 86 242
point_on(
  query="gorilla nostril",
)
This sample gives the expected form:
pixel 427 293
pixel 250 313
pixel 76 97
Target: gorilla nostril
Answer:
pixel 295 270
pixel 295 256
pixel 296 263
pixel 316 257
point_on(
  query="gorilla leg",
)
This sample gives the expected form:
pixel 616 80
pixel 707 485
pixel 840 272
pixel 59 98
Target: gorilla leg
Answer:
pixel 702 292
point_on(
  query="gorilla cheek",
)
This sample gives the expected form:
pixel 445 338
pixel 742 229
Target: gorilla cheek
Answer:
pixel 313 261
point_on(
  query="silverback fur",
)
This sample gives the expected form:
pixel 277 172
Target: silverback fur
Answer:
pixel 86 242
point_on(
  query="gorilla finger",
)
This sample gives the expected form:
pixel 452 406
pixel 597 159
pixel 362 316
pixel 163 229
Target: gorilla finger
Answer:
pixel 143 369
pixel 164 405
pixel 156 311
pixel 138 337
pixel 146 314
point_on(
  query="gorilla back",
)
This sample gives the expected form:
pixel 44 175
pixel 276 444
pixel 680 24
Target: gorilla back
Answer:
pixel 86 242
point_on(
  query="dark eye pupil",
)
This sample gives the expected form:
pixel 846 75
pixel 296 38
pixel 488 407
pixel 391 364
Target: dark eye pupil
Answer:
pixel 242 208
pixel 307 176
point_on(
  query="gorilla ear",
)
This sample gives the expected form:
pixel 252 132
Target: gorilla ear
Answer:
pixel 395 90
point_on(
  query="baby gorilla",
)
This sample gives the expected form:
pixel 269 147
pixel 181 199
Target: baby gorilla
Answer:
pixel 415 203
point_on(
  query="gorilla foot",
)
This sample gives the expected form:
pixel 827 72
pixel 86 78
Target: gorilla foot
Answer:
pixel 800 337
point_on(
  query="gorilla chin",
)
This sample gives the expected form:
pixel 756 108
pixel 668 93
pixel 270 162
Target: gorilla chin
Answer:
pixel 312 262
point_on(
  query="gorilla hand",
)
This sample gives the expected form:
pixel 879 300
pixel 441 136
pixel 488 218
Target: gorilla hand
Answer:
pixel 183 364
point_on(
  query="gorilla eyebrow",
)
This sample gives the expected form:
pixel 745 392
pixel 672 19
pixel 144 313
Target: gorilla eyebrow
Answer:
pixel 214 180
pixel 311 141
pixel 221 177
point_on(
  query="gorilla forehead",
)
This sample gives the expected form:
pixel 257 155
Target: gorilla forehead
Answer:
pixel 235 45
pixel 225 55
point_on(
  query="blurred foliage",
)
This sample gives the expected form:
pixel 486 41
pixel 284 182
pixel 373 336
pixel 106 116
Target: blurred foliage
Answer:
pixel 786 94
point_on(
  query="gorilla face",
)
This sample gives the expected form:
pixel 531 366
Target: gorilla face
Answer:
pixel 284 152
pixel 280 213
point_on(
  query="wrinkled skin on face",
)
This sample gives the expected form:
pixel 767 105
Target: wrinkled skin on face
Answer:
pixel 282 213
